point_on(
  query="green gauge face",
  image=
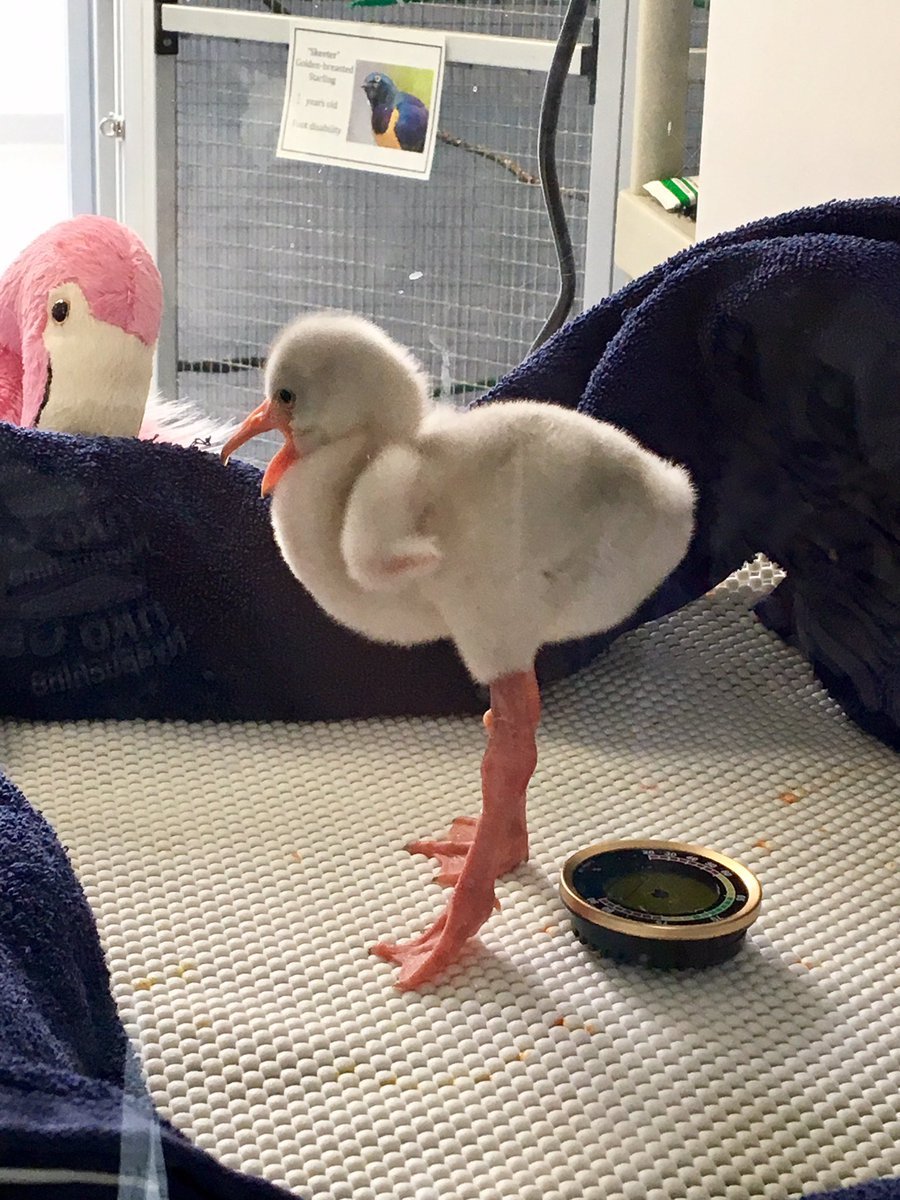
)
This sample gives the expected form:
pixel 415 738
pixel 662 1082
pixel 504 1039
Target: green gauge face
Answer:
pixel 661 893
pixel 659 886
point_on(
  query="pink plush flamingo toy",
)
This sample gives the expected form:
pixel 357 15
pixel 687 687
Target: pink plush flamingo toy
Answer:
pixel 80 312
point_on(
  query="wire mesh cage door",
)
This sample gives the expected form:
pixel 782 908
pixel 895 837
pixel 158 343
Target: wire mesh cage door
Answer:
pixel 461 268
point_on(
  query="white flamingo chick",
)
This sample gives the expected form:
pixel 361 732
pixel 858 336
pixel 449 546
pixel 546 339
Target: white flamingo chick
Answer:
pixel 503 527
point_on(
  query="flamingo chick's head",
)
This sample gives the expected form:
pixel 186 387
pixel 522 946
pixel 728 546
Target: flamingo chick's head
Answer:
pixel 329 375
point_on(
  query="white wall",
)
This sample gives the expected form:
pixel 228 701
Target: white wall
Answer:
pixel 34 188
pixel 32 56
pixel 802 106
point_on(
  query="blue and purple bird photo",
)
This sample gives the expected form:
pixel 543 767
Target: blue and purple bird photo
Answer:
pixel 399 119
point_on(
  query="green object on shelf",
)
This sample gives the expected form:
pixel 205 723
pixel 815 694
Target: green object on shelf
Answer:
pixel 675 195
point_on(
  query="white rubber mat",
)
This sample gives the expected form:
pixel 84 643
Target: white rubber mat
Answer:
pixel 239 874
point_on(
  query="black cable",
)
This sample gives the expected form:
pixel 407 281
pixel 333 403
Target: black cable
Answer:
pixel 549 123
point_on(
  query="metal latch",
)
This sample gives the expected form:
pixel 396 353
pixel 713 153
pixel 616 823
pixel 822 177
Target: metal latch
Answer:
pixel 112 126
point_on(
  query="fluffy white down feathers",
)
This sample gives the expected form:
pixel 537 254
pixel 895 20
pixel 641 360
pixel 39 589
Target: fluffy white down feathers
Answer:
pixel 503 528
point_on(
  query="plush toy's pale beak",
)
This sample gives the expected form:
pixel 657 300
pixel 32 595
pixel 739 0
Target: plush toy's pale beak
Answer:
pixel 266 417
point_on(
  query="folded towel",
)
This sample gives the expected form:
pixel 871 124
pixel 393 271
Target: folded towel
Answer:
pixel 75 1118
pixel 142 580
pixel 766 360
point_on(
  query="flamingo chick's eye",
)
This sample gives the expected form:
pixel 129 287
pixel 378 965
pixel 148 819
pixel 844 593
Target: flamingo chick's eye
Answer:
pixel 286 396
pixel 60 311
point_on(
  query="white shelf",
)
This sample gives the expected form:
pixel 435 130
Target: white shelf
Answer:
pixel 647 235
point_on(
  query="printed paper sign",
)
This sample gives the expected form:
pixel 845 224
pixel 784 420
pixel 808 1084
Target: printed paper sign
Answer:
pixel 359 98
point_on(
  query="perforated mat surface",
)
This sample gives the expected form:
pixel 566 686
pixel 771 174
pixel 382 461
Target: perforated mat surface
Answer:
pixel 239 874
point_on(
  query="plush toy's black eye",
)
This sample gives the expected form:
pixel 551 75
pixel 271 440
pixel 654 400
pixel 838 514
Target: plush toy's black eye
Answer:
pixel 60 311
pixel 286 396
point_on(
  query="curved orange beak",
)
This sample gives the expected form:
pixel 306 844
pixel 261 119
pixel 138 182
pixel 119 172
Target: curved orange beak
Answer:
pixel 263 419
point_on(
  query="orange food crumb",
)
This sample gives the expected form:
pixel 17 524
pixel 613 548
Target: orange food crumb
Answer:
pixel 560 1021
pixel 550 929
pixel 144 985
pixel 762 844
pixel 788 797
pixel 296 856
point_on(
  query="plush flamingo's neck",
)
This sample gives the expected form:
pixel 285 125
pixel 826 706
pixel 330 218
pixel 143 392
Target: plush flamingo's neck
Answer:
pixel 98 376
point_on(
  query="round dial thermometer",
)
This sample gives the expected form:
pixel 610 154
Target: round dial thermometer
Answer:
pixel 665 904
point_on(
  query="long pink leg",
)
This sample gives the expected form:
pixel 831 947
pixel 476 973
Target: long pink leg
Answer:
pixel 497 843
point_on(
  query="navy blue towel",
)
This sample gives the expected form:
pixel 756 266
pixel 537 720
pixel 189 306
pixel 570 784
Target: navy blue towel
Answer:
pixel 874 1189
pixel 75 1119
pixel 142 580
pixel 767 361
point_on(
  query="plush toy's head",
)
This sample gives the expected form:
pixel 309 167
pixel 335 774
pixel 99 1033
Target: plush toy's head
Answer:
pixel 80 310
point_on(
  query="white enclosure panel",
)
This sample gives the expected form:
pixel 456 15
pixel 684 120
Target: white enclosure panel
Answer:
pixel 136 105
pixel 529 54
pixel 802 106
